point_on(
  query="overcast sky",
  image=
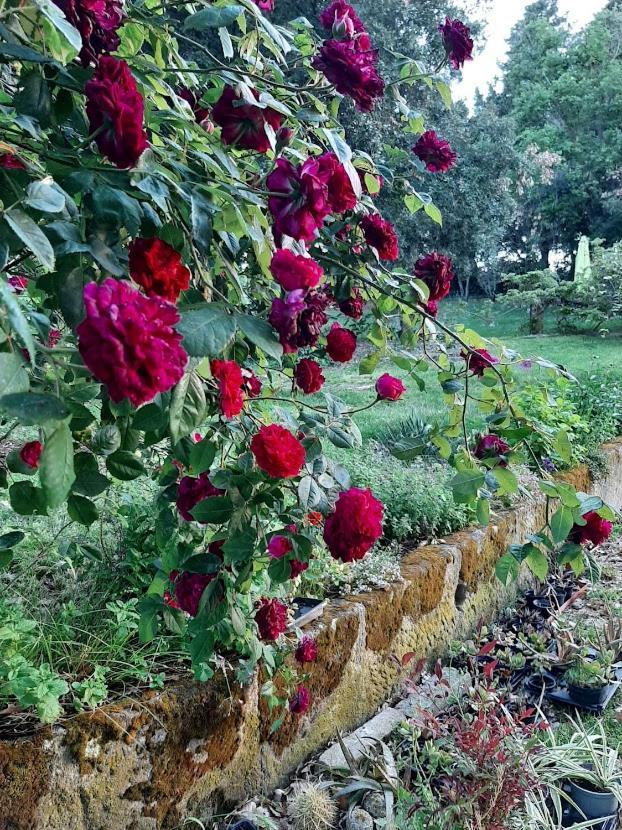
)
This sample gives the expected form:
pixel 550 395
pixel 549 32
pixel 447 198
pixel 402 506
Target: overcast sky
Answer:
pixel 483 69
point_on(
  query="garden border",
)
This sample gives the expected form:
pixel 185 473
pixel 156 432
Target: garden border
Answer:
pixel 144 763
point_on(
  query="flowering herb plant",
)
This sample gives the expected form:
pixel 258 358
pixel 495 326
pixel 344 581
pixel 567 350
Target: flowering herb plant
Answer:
pixel 186 245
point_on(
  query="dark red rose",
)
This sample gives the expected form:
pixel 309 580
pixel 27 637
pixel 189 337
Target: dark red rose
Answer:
pixel 431 307
pixel 389 388
pixel 18 284
pixel 193 490
pixel 355 525
pixel 284 138
pixel 299 318
pixel 98 22
pixel 306 651
pixel 244 125
pixel 279 546
pixel 157 268
pixel 251 384
pixel 297 567
pixel 271 619
pixel 380 234
pixel 341 195
pixel 129 342
pixel 596 530
pixel 54 335
pixel 170 600
pixel 435 153
pixel 293 272
pixel 115 106
pixel 340 11
pixel 340 343
pixel 351 68
pixel 189 589
pixel 314 519
pixel 230 382
pixel 201 114
pixel 478 361
pixel 303 205
pixel 436 271
pixel 300 701
pixel 457 42
pixel 265 5
pixel 492 447
pixel 354 306
pixel 308 376
pixel 277 452
pixel 30 453
pixel 9 161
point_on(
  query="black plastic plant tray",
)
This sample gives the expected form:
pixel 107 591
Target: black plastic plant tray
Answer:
pixel 560 695
pixel 571 817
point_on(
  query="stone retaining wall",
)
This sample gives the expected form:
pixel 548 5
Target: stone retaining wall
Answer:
pixel 143 764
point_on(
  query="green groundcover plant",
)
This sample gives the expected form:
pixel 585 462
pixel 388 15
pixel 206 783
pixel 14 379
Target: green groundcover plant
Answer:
pixel 186 248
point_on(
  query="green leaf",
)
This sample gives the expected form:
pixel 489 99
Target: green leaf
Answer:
pixel 207 331
pixel 369 363
pixel 202 456
pixel 213 18
pixel 124 465
pixel 114 208
pixel 309 493
pixel 240 546
pixel 434 213
pixel 26 499
pixel 506 479
pixel 188 406
pixel 45 196
pixel 82 510
pixel 32 408
pixel 548 489
pixel 89 481
pixel 563 446
pixel 561 523
pixel 260 333
pixel 149 608
pixel 9 540
pixel 60 22
pixel 483 511
pixel 32 236
pixel 56 467
pixel 465 486
pixel 13 375
pixel 17 321
pixel 201 647
pixel 537 563
pixel 507 568
pixel 413 203
pixel 214 510
pixel 445 92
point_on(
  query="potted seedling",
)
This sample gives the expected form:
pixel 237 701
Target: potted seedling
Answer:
pixel 584 771
pixel 588 679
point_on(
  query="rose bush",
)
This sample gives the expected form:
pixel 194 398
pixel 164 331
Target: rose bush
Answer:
pixel 181 244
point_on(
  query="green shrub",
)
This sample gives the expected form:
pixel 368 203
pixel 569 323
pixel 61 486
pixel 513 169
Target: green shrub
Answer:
pixel 598 400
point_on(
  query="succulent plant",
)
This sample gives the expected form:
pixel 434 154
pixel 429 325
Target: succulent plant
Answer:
pixel 312 808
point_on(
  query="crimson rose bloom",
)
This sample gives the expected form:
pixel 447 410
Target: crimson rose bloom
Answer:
pixel 304 204
pixel 354 306
pixel 380 234
pixel 293 272
pixel 201 114
pixel 340 343
pixel 436 271
pixel 279 546
pixel 435 153
pixel 193 490
pixel 277 452
pixel 389 388
pixel 338 12
pixel 157 267
pixel 457 42
pixel 30 453
pixel 478 361
pixel 351 70
pixel 597 530
pixel 230 382
pixel 491 446
pixel 306 651
pixel 54 335
pixel 299 318
pixel 300 701
pixel 97 21
pixel 297 567
pixel 271 618
pixel 115 104
pixel 341 195
pixel 265 5
pixel 9 161
pixel 18 284
pixel 189 589
pixel 129 343
pixel 251 383
pixel 243 124
pixel 355 525
pixel 308 376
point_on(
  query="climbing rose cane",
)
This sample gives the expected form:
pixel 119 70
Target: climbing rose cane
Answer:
pixel 158 269
pixel 355 525
pixel 277 452
pixel 129 342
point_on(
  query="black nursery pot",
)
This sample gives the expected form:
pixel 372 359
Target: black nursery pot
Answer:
pixel 244 825
pixel 543 605
pixel 529 597
pixel 593 804
pixel 537 682
pixel 587 696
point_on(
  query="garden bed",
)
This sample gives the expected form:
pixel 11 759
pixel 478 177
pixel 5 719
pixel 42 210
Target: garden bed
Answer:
pixel 143 763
